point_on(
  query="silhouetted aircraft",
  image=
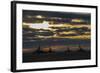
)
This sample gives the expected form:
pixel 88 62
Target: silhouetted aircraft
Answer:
pixel 50 49
pixel 81 49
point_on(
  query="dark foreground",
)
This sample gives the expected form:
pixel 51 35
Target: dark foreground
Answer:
pixel 56 56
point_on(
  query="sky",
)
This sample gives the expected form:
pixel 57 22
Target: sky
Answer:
pixel 27 13
pixel 47 24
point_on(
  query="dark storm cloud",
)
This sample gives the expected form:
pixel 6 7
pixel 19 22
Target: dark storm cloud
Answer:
pixel 85 16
